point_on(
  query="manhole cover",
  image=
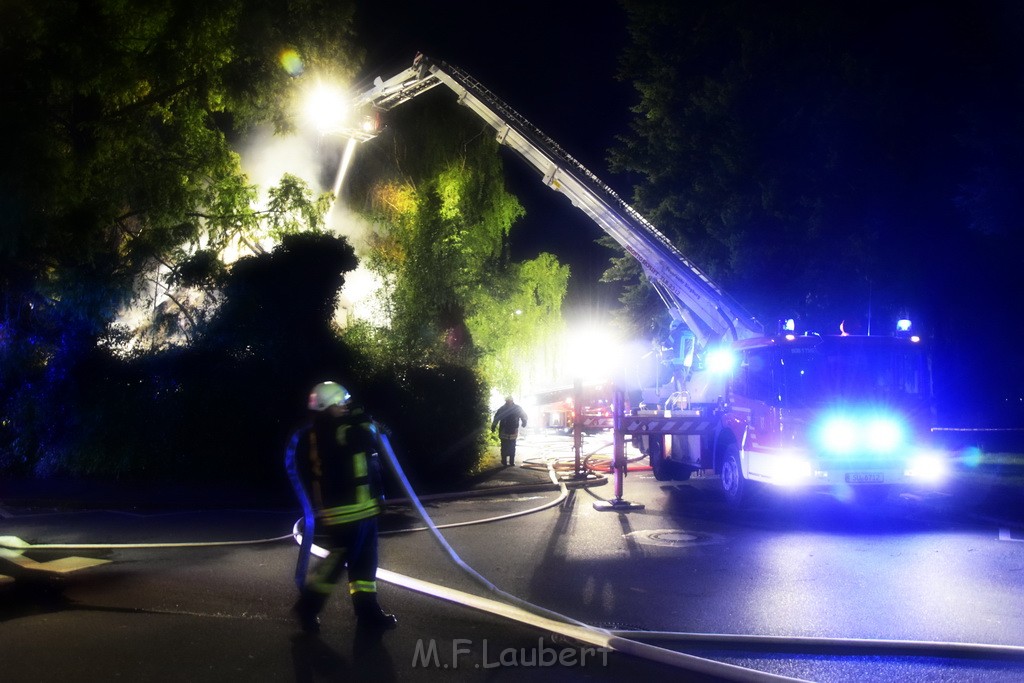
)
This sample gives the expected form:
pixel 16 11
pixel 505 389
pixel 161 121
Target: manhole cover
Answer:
pixel 673 538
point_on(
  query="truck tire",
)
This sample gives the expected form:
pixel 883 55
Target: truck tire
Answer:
pixel 734 484
pixel 659 465
pixel 666 469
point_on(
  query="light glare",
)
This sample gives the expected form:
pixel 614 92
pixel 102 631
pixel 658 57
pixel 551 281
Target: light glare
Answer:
pixel 839 435
pixel 592 353
pixel 721 361
pixel 326 108
pixel 789 470
pixel 927 468
pixel 884 435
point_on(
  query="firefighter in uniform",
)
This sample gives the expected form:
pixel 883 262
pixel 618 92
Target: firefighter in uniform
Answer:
pixel 682 343
pixel 332 463
pixel 508 417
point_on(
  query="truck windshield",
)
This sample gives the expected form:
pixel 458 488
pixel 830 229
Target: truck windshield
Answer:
pixel 854 369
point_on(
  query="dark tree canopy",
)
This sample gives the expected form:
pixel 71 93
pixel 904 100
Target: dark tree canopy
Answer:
pixel 121 186
pixel 121 119
pixel 835 160
pixel 118 161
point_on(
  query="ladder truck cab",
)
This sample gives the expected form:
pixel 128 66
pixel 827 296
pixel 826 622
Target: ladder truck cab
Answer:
pixel 847 413
pixel 850 414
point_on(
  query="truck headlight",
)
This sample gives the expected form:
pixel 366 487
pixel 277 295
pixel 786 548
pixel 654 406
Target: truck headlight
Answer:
pixel 928 468
pixel 791 469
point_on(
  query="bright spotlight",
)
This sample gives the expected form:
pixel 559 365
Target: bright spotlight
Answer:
pixel 326 108
pixel 791 470
pixel 592 353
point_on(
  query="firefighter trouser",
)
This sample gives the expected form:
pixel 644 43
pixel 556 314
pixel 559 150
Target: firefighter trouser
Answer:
pixel 508 450
pixel 354 544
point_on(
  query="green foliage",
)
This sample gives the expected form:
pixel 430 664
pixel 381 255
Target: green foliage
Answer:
pixel 121 184
pixel 463 315
pixel 444 218
pixel 517 316
pixel 122 154
pixel 800 154
pixel 292 209
pixel 120 163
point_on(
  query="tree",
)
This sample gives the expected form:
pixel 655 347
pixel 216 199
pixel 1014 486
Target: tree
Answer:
pixel 123 121
pixel 436 190
pixel 833 160
pixel 799 152
pixel 222 406
pixel 120 121
pixel 520 315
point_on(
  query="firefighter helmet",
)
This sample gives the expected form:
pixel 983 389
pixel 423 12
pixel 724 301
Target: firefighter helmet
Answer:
pixel 328 394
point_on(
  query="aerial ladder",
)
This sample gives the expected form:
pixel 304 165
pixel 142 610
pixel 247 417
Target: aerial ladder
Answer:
pixel 691 297
pixel 689 294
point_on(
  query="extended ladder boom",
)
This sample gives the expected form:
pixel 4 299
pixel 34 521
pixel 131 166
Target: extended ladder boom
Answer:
pixel 688 292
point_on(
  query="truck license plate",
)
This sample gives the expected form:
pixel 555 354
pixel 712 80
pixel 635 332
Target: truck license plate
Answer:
pixel 865 478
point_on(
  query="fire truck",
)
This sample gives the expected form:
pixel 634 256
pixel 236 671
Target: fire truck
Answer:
pixel 588 406
pixel 846 413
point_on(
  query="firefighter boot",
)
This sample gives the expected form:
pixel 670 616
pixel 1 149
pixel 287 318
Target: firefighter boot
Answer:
pixel 306 609
pixel 369 615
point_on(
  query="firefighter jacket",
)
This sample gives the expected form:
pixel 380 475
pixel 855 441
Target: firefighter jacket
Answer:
pixel 333 465
pixel 508 418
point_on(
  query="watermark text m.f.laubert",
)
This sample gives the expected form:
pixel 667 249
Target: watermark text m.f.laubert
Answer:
pixel 466 653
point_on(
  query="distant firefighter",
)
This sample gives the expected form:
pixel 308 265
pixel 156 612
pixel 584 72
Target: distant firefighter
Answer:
pixel 507 420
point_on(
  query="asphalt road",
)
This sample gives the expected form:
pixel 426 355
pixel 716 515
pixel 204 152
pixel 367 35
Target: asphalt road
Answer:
pixel 916 568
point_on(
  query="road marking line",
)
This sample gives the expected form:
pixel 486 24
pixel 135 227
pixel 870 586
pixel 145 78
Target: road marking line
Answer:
pixel 62 565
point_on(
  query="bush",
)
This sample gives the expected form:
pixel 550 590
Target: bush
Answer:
pixel 221 410
pixel 435 418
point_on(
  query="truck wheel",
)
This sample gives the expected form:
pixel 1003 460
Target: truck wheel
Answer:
pixel 734 484
pixel 659 465
pixel 682 472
